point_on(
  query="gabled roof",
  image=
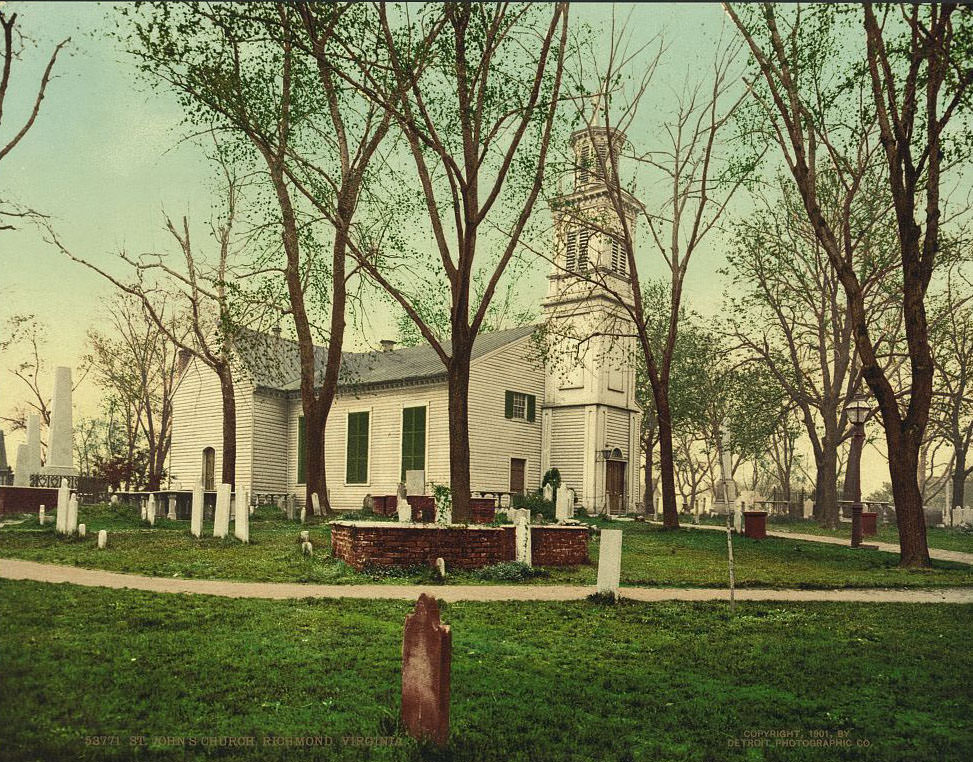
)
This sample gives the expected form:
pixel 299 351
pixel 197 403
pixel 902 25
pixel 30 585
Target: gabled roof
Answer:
pixel 274 363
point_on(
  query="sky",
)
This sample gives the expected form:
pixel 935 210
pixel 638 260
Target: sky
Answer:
pixel 107 156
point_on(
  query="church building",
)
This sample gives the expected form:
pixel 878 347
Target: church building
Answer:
pixel 554 395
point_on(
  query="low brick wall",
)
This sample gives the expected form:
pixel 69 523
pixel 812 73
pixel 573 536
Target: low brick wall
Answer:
pixel 423 508
pixel 559 546
pixel 378 543
pixel 27 499
pixel 367 543
pixel 482 510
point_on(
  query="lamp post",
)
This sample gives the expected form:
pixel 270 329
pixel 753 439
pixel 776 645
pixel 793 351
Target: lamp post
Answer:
pixel 857 411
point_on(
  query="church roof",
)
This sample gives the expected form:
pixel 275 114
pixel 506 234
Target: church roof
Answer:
pixel 274 362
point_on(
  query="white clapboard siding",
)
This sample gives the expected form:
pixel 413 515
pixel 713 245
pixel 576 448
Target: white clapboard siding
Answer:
pixel 385 441
pixel 618 430
pixel 495 439
pixel 568 445
pixel 197 423
pixel 270 442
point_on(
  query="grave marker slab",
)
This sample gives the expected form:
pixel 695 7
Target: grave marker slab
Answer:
pixel 102 539
pixel 196 515
pixel 610 561
pixel 415 482
pixel 426 662
pixel 221 521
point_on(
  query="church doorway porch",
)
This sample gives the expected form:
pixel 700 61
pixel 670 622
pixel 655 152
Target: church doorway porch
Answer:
pixel 615 486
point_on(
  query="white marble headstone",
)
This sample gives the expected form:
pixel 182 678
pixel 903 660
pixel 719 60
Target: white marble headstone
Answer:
pixel 151 509
pixel 415 482
pixel 315 503
pixel 196 515
pixel 82 530
pixel 63 498
pixel 522 536
pixel 241 523
pixel 102 538
pixel 548 491
pixel 564 507
pixel 171 514
pixel 41 518
pixel 221 519
pixel 610 561
pixel 72 523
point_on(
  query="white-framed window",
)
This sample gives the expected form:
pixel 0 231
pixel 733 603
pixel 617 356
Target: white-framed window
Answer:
pixel 520 405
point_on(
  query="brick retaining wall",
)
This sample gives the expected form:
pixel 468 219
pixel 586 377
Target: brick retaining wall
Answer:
pixel 27 499
pixel 376 543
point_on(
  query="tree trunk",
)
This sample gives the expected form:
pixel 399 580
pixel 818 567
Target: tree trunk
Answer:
pixel 909 517
pixel 459 431
pixel 667 472
pixel 648 497
pixel 314 481
pixel 959 477
pixel 229 425
pixel 826 509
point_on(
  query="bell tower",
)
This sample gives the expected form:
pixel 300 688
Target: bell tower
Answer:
pixel 590 417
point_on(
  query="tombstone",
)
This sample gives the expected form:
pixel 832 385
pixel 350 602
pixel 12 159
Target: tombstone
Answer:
pixel 196 514
pixel 6 472
pixel 415 482
pixel 303 513
pixel 402 507
pixel 33 445
pixel 426 659
pixel 171 514
pixel 82 530
pixel 505 501
pixel 522 547
pixel 307 548
pixel 737 518
pixel 102 539
pixel 143 503
pixel 368 503
pixel 289 507
pixel 221 521
pixel 113 500
pixel 251 503
pixel 60 446
pixel 41 518
pixel 305 536
pixel 548 492
pixel 21 475
pixel 315 503
pixel 72 523
pixel 441 568
pixel 151 509
pixel 61 516
pixel 564 508
pixel 610 561
pixel 241 524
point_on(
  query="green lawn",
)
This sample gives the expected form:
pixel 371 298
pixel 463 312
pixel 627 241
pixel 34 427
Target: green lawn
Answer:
pixel 531 681
pixel 651 557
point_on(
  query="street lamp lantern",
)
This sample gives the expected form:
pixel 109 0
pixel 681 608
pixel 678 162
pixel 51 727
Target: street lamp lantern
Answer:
pixel 858 409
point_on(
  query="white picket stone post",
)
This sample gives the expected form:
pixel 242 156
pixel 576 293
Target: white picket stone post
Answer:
pixel 72 525
pixel 63 498
pixel 103 539
pixel 241 522
pixel 221 520
pixel 522 535
pixel 610 561
pixel 196 517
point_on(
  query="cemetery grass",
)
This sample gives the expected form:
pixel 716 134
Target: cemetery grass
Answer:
pixel 651 557
pixel 531 681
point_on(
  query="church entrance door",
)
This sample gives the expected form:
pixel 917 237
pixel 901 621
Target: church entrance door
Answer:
pixel 615 485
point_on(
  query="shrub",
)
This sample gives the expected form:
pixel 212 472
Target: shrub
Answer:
pixel 510 571
pixel 536 503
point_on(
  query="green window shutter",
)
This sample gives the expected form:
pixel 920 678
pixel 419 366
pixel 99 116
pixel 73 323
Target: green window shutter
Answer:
pixel 356 456
pixel 531 408
pixel 301 445
pixel 508 405
pixel 413 439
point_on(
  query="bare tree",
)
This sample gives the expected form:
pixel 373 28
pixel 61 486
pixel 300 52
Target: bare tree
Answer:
pixel 916 80
pixel 197 287
pixel 137 365
pixel 789 315
pixel 690 165
pixel 473 89
pixel 12 51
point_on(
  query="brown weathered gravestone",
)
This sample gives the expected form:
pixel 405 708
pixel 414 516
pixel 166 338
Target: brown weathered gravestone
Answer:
pixel 427 647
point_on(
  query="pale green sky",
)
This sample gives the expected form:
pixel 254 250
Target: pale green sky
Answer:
pixel 105 158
